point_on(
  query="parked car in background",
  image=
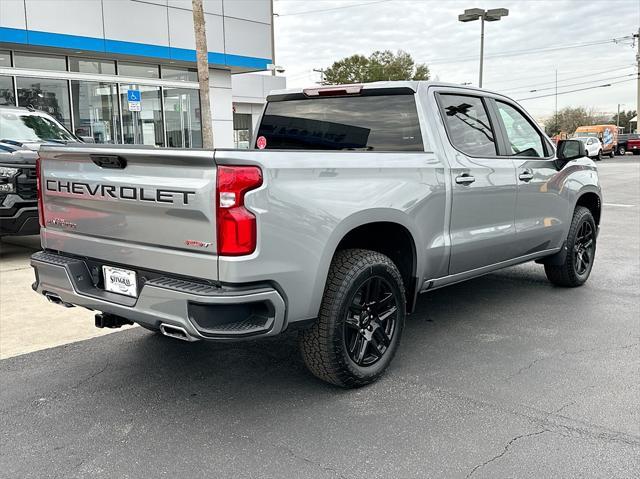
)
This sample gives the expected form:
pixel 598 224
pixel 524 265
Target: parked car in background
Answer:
pixel 631 143
pixel 592 145
pixel 22 132
pixel 356 199
pixel 607 134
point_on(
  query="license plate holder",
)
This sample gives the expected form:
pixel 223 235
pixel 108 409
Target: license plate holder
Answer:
pixel 120 281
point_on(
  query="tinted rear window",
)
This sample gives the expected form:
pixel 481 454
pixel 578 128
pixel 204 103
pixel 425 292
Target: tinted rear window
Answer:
pixel 380 123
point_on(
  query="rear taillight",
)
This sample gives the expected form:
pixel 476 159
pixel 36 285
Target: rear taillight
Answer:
pixel 39 185
pixel 236 225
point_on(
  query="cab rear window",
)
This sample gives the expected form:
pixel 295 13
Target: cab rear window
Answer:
pixel 367 123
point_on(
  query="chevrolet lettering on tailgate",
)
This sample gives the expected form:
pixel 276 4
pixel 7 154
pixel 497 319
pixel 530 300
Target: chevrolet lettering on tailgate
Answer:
pixel 119 192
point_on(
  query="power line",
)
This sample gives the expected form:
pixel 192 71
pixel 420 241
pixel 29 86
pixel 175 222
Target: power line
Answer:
pixel 579 89
pixel 435 61
pixel 325 10
pixel 521 88
pixel 535 90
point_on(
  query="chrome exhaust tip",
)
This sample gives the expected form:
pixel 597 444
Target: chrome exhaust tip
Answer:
pixel 56 299
pixel 176 332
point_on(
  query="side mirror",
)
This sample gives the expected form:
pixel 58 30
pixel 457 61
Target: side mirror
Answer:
pixel 570 150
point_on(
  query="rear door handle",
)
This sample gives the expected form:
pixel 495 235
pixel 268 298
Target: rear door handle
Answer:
pixel 526 175
pixel 465 179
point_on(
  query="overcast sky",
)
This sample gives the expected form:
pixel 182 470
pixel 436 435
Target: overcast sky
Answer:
pixel 430 32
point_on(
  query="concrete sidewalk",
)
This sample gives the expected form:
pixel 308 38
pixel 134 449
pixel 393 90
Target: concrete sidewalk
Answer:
pixel 27 321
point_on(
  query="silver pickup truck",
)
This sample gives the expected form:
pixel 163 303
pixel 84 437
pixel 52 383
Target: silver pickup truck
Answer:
pixel 354 200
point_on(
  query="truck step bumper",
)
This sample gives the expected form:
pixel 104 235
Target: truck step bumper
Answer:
pixel 202 311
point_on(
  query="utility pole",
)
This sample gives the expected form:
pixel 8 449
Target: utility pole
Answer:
pixel 202 60
pixel 556 122
pixel 637 37
pixel 618 118
pixel 481 49
pixel 321 71
pixel 273 39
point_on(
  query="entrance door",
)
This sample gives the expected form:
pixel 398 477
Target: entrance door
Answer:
pixel 143 127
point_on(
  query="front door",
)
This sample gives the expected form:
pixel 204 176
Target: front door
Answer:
pixel 541 205
pixel 482 228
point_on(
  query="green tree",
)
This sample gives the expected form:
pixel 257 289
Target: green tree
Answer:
pixel 625 116
pixel 380 65
pixel 570 118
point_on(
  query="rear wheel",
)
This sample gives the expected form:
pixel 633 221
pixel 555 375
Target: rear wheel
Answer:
pixel 581 250
pixel 599 156
pixel 361 320
pixel 612 153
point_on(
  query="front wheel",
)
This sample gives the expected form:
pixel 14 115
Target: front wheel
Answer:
pixel 581 251
pixel 361 320
pixel 622 151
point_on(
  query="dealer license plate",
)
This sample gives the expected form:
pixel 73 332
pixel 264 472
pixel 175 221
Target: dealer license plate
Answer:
pixel 121 281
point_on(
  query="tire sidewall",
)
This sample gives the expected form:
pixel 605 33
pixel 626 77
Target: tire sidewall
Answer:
pixel 583 215
pixel 369 373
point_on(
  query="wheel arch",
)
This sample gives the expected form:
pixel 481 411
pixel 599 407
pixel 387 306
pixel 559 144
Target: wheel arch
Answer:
pixel 592 201
pixel 377 230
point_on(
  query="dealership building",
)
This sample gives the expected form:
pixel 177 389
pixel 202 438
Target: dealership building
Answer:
pixel 123 71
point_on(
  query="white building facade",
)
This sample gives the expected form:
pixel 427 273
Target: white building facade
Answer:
pixel 79 59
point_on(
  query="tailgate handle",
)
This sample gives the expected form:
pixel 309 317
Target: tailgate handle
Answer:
pixel 109 161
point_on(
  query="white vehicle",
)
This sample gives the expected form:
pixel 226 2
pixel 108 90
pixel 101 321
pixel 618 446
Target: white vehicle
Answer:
pixel 593 146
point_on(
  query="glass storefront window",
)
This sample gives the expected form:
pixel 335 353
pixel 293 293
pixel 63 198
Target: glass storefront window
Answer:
pixel 242 130
pixel 5 58
pixel 140 70
pixel 95 111
pixel 36 61
pixel 142 127
pixel 104 67
pixel 180 74
pixel 7 95
pixel 182 117
pixel 46 94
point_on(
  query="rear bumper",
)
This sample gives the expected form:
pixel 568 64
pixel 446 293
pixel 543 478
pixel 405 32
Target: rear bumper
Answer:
pixel 204 311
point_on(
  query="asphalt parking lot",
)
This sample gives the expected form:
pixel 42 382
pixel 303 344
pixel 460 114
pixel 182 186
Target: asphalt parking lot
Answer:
pixel 502 376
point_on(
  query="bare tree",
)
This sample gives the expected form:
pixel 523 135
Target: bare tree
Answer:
pixel 202 60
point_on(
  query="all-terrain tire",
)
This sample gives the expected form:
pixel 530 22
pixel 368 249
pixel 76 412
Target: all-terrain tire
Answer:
pixel 568 274
pixel 323 346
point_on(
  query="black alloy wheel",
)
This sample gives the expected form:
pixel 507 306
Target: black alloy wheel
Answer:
pixel 584 248
pixel 578 261
pixel 360 322
pixel 371 322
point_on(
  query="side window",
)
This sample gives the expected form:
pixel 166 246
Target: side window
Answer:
pixel 468 124
pixel 523 138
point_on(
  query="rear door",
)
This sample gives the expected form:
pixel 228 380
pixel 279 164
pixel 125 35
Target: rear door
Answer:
pixel 146 207
pixel 482 226
pixel 541 207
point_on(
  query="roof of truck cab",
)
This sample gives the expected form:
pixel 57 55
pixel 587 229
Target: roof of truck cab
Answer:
pixel 379 85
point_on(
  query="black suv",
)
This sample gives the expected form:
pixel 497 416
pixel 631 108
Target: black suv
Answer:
pixel 22 131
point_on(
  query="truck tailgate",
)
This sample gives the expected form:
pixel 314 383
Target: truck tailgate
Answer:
pixel 146 207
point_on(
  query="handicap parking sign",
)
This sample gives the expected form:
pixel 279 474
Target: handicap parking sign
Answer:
pixel 133 95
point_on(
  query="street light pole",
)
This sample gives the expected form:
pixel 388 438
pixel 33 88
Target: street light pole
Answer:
pixel 492 15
